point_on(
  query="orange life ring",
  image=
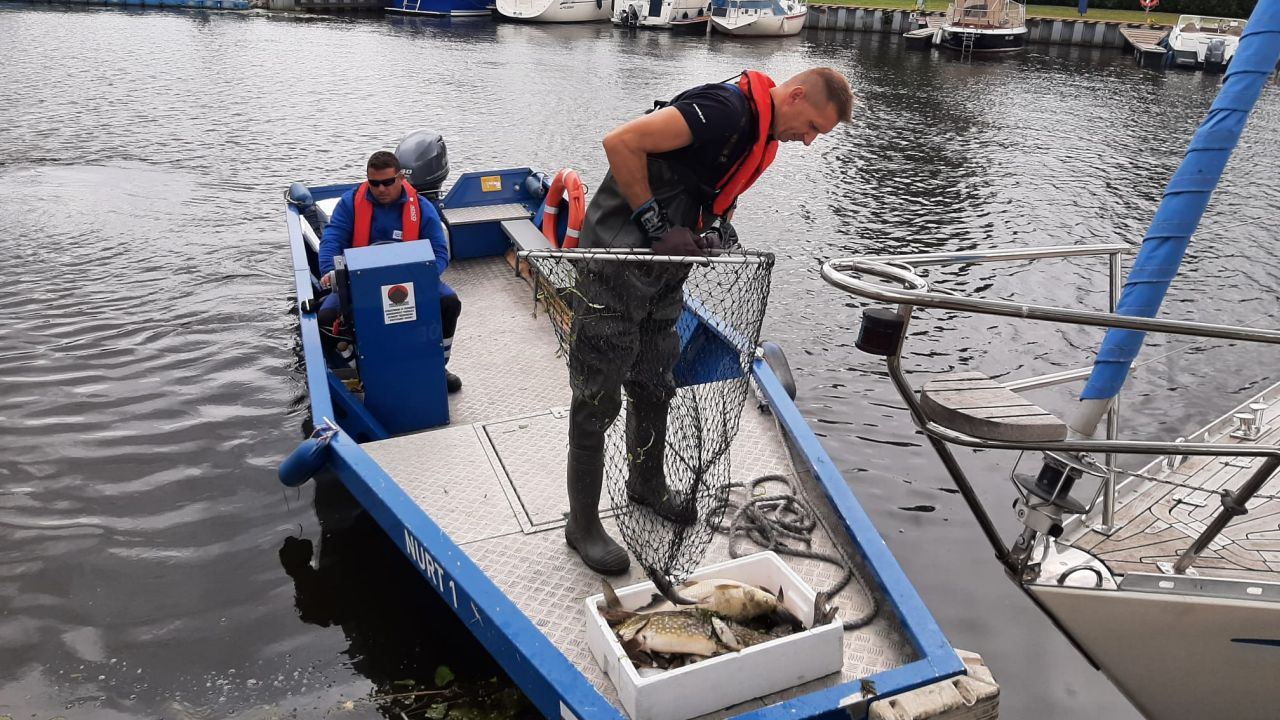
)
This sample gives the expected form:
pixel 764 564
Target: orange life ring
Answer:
pixel 566 181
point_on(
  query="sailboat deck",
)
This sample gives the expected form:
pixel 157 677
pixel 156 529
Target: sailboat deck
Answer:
pixel 494 481
pixel 1155 522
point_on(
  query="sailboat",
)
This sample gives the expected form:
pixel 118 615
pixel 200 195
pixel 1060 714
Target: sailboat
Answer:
pixel 1166 578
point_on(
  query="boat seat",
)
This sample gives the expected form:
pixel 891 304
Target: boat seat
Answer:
pixel 974 404
pixel 485 214
pixel 525 235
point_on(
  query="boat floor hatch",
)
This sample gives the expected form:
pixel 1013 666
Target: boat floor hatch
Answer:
pixel 494 481
pixel 1155 522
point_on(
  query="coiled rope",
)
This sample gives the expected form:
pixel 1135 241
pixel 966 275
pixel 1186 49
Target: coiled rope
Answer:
pixel 784 522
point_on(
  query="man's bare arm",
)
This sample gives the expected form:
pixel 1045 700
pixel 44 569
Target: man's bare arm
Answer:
pixel 628 147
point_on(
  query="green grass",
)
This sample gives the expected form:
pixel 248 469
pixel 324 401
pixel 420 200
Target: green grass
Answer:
pixel 1052 11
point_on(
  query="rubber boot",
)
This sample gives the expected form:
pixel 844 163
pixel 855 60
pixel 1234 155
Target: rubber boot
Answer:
pixel 646 479
pixel 583 532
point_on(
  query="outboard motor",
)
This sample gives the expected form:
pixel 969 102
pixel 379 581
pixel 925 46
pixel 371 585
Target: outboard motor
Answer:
pixel 424 161
pixel 1215 56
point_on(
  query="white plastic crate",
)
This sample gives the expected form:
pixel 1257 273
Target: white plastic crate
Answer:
pixel 728 679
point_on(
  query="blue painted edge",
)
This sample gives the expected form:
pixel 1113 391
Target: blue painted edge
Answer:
pixel 313 354
pixel 938 659
pixel 834 702
pixel 545 675
pixel 356 413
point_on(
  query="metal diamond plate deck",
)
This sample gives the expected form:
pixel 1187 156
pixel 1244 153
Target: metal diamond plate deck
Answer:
pixel 533 452
pixel 486 213
pixel 506 357
pixel 494 481
pixel 448 473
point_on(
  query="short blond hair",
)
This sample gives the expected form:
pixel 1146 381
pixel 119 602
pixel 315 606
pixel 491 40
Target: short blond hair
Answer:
pixel 828 84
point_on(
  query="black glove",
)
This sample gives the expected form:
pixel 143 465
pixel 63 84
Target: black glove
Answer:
pixel 710 240
pixel 677 241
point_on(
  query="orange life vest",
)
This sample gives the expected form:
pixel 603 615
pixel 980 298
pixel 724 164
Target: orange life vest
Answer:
pixel 410 220
pixel 755 86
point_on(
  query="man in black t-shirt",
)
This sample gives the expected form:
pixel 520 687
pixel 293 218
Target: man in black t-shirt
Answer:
pixel 673 173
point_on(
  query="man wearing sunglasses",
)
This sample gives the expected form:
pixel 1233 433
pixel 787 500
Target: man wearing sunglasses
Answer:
pixel 385 208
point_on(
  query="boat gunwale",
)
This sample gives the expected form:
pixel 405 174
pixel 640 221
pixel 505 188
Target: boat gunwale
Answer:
pixel 550 680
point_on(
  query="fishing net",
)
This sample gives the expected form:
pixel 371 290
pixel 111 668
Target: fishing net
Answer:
pixel 677 336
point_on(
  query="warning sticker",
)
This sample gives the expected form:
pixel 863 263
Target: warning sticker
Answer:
pixel 397 303
pixel 491 183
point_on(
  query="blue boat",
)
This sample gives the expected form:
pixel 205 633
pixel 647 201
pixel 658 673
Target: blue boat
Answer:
pixel 449 8
pixel 470 486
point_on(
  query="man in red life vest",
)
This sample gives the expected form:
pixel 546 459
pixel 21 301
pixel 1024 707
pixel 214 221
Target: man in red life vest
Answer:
pixel 672 173
pixel 386 208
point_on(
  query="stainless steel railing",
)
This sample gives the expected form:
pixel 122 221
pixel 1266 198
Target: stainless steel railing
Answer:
pixel 915 291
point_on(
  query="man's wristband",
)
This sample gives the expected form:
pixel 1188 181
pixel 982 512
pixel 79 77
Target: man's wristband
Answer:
pixel 651 218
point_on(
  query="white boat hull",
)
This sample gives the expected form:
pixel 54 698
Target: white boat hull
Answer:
pixel 1179 655
pixel 659 16
pixel 1211 45
pixel 747 23
pixel 554 10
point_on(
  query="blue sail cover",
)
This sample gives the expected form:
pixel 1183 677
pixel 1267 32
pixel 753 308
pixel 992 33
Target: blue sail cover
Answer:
pixel 1187 196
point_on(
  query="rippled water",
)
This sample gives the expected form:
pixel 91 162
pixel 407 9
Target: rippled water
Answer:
pixel 151 566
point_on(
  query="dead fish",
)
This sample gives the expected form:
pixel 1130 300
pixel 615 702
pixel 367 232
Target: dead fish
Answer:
pixel 663 583
pixel 824 611
pixel 680 632
pixel 691 631
pixel 736 601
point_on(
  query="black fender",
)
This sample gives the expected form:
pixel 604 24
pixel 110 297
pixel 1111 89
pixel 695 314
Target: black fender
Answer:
pixel 773 356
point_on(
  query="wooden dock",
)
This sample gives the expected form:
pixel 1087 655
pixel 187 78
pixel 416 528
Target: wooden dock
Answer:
pixel 1145 42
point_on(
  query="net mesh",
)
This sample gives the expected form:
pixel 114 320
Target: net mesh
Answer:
pixel 659 352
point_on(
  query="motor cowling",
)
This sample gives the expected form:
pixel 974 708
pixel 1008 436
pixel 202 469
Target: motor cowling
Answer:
pixel 424 161
pixel 1216 53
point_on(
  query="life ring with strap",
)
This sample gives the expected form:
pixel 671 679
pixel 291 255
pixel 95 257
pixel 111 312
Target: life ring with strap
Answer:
pixel 1148 4
pixel 567 181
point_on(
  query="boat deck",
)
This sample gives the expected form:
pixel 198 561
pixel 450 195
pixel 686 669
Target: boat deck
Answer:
pixel 1155 522
pixel 494 481
pixel 1144 39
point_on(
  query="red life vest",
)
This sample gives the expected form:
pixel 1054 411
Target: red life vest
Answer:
pixel 755 86
pixel 410 220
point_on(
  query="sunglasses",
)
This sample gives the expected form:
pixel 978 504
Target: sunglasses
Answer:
pixel 383 183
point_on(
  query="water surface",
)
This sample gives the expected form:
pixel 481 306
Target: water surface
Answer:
pixel 150 563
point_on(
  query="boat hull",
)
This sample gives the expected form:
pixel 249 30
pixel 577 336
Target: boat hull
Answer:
pixel 759 24
pixel 1205 43
pixel 1198 657
pixel 985 40
pixel 441 8
pixel 679 15
pixel 558 11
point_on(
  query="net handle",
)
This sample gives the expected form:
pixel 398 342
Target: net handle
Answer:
pixel 747 257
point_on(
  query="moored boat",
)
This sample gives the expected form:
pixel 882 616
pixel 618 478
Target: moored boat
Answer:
pixel 470 486
pixel 561 11
pixel 1164 572
pixel 678 15
pixel 983 26
pixel 758 18
pixel 450 8
pixel 1205 42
